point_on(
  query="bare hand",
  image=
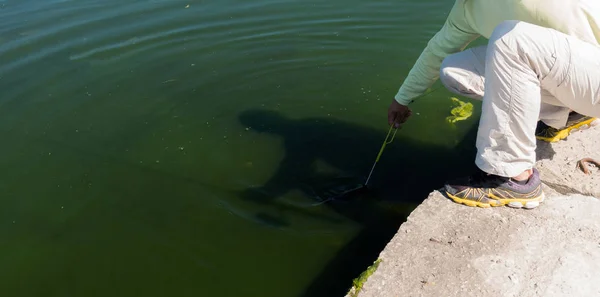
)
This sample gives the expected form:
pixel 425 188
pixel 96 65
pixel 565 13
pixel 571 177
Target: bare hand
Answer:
pixel 398 114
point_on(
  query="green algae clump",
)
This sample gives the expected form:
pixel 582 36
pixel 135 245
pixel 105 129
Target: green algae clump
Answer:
pixel 362 279
pixel 462 111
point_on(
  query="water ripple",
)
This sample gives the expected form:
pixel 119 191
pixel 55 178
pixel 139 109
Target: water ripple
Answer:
pixel 98 30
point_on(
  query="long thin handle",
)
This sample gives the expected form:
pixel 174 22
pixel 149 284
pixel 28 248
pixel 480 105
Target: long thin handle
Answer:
pixel 385 143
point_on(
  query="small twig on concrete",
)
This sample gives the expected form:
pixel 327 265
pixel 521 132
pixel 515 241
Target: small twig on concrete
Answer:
pixel 439 241
pixel 582 164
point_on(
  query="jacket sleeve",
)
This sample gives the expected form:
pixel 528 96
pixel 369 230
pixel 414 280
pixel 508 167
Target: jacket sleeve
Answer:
pixel 454 36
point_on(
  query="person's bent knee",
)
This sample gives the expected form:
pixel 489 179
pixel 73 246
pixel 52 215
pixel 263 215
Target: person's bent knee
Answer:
pixel 456 78
pixel 446 73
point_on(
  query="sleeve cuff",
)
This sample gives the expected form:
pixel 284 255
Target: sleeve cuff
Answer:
pixel 402 99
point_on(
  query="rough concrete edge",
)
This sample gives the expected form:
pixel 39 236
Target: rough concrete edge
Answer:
pixel 363 278
pixel 554 183
pixel 427 205
pixel 424 206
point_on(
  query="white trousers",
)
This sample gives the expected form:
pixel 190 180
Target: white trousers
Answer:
pixel 529 73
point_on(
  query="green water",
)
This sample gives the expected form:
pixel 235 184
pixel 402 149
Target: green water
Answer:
pixel 151 148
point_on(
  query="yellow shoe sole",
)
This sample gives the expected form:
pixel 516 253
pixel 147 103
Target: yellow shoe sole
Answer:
pixel 564 133
pixel 514 203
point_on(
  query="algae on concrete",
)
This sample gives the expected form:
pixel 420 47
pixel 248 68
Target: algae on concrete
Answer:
pixel 362 278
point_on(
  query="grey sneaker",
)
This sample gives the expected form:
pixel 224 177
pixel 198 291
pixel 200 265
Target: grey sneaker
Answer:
pixel 484 190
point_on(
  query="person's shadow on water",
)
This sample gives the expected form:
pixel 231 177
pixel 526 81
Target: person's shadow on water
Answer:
pixel 407 172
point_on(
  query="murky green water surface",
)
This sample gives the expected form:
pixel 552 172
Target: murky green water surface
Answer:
pixel 169 148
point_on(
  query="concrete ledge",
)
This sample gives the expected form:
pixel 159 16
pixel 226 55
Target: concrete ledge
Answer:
pixel 447 249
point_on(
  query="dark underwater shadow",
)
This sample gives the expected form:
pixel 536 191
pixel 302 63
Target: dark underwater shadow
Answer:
pixel 407 172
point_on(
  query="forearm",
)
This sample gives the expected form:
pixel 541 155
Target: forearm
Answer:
pixel 454 36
